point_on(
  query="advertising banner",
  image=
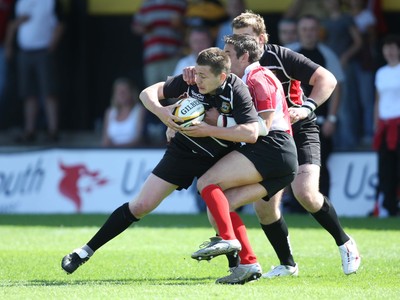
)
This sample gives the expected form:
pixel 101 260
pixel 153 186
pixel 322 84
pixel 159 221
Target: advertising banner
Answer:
pixel 354 180
pixel 99 180
pixel 80 181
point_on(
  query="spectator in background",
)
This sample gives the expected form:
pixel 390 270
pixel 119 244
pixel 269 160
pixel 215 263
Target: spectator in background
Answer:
pixel 287 31
pixel 161 24
pixel 299 8
pixel 233 8
pixel 310 46
pixel 37 26
pixel 387 120
pixel 341 35
pixel 124 119
pixel 363 70
pixel 199 38
pixel 339 32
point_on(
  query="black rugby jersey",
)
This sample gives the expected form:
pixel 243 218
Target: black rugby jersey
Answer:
pixel 232 99
pixel 291 68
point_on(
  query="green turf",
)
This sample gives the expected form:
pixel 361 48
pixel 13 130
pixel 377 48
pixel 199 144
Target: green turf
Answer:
pixel 152 260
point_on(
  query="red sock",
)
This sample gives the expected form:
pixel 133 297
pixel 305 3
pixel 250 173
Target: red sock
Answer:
pixel 246 255
pixel 219 208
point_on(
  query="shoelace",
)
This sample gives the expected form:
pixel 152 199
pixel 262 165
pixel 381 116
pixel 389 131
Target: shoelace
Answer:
pixel 208 243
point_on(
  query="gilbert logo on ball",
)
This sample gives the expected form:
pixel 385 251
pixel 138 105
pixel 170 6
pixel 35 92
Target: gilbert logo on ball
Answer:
pixel 189 110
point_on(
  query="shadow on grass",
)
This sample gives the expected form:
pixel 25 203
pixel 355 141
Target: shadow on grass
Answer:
pixel 187 221
pixel 106 282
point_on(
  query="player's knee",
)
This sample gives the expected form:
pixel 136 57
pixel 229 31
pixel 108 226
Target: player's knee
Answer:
pixel 267 217
pixel 204 181
pixel 267 213
pixel 140 208
pixel 310 200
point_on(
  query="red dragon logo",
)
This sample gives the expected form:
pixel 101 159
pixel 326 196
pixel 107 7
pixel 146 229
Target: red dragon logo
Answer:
pixel 69 187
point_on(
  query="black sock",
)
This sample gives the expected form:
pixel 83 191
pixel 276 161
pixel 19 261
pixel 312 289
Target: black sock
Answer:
pixel 278 235
pixel 233 260
pixel 118 221
pixel 328 219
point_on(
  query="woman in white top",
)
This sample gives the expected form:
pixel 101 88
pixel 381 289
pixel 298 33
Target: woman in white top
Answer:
pixel 123 120
pixel 387 120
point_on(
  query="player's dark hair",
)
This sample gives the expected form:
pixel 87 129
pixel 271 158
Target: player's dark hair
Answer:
pixel 245 44
pixel 216 58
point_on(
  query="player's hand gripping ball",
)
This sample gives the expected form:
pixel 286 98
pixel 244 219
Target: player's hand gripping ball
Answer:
pixel 189 110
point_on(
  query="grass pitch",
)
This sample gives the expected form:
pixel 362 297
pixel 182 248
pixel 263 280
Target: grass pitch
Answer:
pixel 151 260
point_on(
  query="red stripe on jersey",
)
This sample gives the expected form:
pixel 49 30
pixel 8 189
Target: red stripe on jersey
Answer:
pixel 162 40
pixel 295 92
pixel 162 23
pixel 157 57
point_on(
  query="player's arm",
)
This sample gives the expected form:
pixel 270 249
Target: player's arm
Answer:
pixel 213 117
pixel 323 84
pixel 151 97
pixel 303 69
pixel 247 132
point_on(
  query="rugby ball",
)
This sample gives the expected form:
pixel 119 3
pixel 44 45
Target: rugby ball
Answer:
pixel 189 110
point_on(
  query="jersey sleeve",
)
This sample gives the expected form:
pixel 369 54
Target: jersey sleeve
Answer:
pixel 174 86
pixel 293 65
pixel 297 65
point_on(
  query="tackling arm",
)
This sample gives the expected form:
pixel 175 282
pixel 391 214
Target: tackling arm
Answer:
pixel 323 83
pixel 151 97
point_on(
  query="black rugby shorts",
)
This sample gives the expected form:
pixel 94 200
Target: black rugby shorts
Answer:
pixel 308 144
pixel 180 169
pixel 274 157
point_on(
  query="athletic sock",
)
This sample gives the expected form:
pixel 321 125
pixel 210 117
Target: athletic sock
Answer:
pixel 328 219
pixel 219 208
pixel 247 255
pixel 278 235
pixel 233 260
pixel 118 221
pixel 88 250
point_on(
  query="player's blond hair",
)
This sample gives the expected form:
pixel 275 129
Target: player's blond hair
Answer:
pixel 253 20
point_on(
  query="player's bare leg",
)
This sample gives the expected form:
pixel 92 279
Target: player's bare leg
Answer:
pixel 223 176
pixel 243 267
